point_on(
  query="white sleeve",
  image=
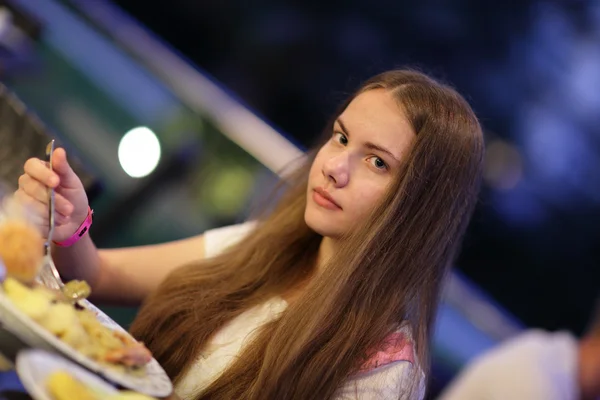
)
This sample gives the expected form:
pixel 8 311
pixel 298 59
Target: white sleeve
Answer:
pixel 486 383
pixel 385 383
pixel 533 366
pixel 219 239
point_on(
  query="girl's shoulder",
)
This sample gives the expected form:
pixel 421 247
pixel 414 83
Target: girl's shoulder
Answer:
pixel 397 346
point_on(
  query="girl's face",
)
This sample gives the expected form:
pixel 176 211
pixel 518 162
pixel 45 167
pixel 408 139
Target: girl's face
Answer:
pixel 353 170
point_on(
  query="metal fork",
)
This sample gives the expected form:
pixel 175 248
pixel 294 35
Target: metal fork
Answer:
pixel 49 275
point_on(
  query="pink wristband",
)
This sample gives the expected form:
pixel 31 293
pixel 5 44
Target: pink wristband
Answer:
pixel 82 230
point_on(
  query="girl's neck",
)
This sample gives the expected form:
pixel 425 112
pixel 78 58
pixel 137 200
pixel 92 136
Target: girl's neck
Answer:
pixel 325 252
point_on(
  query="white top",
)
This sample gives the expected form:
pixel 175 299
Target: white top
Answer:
pixel 386 382
pixel 536 365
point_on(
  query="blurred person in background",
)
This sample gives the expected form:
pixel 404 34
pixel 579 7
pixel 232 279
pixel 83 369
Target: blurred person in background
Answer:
pixel 535 365
pixel 330 295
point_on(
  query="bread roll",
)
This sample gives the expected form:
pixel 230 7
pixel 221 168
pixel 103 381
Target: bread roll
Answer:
pixel 21 249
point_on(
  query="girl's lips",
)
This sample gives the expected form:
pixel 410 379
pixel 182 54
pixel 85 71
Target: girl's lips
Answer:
pixel 324 199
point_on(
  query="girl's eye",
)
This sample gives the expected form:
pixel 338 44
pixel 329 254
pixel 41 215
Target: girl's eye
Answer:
pixel 340 138
pixel 378 163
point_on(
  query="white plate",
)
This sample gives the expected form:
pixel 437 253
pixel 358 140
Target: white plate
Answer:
pixel 154 382
pixel 34 367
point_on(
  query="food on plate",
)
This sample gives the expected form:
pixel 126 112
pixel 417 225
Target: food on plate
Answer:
pixel 76 326
pixel 77 289
pixel 21 249
pixel 63 386
pixel 32 302
pixel 22 253
pixel 128 395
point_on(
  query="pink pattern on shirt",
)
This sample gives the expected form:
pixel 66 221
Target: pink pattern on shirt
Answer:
pixel 395 347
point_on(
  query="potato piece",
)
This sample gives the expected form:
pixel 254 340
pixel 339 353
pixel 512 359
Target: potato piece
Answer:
pixel 63 386
pixel 102 336
pixel 15 289
pixel 76 337
pixel 32 303
pixel 60 318
pixel 129 395
pixel 50 294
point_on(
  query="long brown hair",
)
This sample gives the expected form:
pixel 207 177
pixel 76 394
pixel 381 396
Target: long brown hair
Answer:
pixel 389 270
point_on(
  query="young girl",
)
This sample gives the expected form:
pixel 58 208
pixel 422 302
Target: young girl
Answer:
pixel 333 294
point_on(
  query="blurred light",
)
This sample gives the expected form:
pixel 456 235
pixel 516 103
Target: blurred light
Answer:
pixel 228 190
pixel 139 152
pixel 503 166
